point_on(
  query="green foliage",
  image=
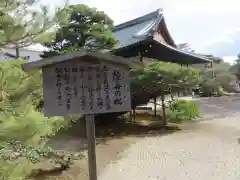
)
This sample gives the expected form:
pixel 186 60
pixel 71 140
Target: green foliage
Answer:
pixel 182 110
pixel 168 77
pixel 223 78
pixel 216 60
pixel 235 68
pixel 22 24
pixel 24 131
pixel 164 78
pixel 85 28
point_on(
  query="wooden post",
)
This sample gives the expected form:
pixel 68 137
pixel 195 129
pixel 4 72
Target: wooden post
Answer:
pixel 163 110
pixel 92 164
pixel 155 106
pixel 130 115
pixel 134 114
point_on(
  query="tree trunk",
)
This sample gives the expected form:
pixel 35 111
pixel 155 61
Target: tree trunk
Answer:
pixel 130 115
pixel 155 107
pixel 17 51
pixel 163 110
pixel 213 76
pixel 134 114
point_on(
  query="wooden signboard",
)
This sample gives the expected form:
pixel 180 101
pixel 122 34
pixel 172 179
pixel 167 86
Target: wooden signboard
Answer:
pixel 84 88
pixel 85 83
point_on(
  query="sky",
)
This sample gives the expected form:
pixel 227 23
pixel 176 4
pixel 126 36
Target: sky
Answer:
pixel 209 26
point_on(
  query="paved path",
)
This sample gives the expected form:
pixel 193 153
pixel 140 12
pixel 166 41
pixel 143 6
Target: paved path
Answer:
pixel 219 107
pixel 210 152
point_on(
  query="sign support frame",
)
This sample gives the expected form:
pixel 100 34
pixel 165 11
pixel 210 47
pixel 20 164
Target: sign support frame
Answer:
pixel 92 163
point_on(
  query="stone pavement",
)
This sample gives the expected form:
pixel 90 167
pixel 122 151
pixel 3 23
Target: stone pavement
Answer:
pixel 210 152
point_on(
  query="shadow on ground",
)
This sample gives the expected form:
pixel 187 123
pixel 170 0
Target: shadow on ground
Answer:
pixel 144 125
pixel 112 138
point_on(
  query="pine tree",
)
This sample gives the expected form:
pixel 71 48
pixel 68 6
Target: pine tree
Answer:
pixel 85 28
pixel 23 23
pixel 24 131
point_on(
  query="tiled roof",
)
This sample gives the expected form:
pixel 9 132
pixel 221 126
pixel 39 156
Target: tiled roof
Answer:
pixel 136 30
pixel 9 56
pixel 6 56
pixel 141 28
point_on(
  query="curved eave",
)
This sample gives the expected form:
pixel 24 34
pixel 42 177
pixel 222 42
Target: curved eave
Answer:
pixel 170 39
pixel 136 46
pixel 188 54
pixel 161 51
pixel 169 53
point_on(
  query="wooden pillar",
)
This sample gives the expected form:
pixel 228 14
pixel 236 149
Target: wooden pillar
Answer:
pixel 155 106
pixel 134 114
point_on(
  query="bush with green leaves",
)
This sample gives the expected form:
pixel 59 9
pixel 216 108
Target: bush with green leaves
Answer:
pixel 223 79
pixel 24 131
pixel 182 110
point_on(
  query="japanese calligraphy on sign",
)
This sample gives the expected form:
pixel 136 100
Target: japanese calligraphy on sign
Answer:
pixel 85 88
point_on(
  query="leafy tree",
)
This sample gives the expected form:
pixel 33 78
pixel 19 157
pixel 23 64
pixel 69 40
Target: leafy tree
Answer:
pixel 185 47
pixel 223 78
pixel 214 78
pixel 86 28
pixel 236 67
pixel 23 24
pixel 216 60
pixel 165 78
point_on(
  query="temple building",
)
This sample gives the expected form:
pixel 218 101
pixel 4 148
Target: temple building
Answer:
pixel 148 37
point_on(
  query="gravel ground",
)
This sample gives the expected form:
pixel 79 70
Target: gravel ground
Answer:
pixel 210 152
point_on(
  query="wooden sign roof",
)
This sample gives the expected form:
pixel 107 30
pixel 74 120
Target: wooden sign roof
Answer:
pixel 83 55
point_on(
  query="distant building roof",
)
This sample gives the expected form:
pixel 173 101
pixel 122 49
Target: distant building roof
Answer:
pixel 6 56
pixel 138 29
pixel 34 47
pixel 142 29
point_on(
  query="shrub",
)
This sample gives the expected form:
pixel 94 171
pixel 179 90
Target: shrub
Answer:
pixel 224 79
pixel 182 110
pixel 24 131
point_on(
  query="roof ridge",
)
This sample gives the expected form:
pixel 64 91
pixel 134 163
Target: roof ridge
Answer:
pixel 24 48
pixel 143 18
